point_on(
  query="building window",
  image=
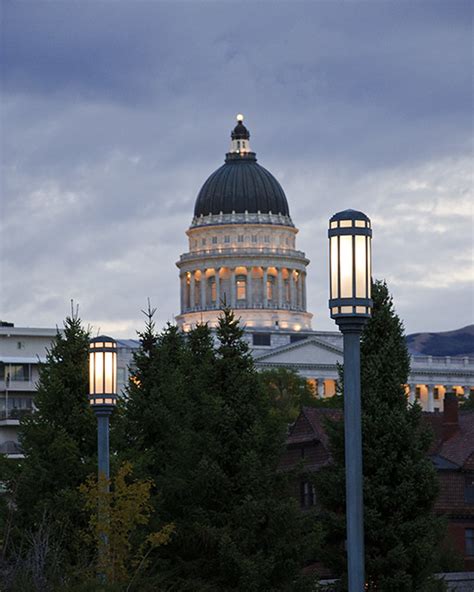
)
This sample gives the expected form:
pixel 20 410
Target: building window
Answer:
pixel 254 238
pixel 227 238
pixel 20 345
pixel 270 287
pixel 266 239
pixel 17 373
pixel 307 494
pixel 241 285
pixel 261 339
pixel 203 241
pixel 297 337
pixel 469 541
pixel 240 238
pixel 214 240
pixel 213 289
pixel 469 489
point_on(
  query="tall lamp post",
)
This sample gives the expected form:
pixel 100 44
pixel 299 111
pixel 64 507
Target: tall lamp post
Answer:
pixel 350 304
pixel 103 397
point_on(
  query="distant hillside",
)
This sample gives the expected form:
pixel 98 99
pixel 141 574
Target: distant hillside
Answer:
pixel 447 343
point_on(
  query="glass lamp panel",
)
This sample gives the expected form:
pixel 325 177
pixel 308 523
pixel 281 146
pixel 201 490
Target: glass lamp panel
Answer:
pixel 361 309
pixel 345 261
pixel 99 372
pixel 109 371
pixel 346 309
pixel 108 344
pixel 360 267
pixel 334 258
pixel 369 267
pixel 345 223
pixel 333 224
pixel 360 223
pixel 91 373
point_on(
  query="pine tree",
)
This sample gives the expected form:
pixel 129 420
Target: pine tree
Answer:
pixel 214 461
pixel 400 484
pixel 58 442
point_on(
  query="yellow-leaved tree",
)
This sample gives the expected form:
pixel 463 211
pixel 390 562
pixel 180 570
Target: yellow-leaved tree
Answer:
pixel 117 511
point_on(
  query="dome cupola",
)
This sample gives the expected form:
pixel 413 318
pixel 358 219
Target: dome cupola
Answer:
pixel 241 185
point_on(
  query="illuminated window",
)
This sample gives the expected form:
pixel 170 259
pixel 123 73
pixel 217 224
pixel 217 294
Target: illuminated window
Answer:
pixel 212 286
pixel 307 494
pixel 270 287
pixel 241 285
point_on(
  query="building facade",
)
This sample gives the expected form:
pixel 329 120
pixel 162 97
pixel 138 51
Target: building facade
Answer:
pixel 241 253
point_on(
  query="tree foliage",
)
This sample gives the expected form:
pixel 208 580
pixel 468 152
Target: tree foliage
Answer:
pixel 400 484
pixel 200 425
pixel 59 440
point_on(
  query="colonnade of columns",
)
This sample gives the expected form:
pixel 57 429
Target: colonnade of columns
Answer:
pixel 243 287
pixel 429 394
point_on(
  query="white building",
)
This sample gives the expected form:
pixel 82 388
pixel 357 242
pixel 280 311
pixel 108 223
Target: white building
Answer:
pixel 242 251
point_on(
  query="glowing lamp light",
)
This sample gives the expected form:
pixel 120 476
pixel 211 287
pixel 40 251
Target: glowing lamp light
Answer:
pixel 240 117
pixel 102 371
pixel 350 266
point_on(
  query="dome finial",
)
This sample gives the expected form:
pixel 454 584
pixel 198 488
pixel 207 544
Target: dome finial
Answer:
pixel 240 117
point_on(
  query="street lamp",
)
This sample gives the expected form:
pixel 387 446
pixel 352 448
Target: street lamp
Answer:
pixel 103 393
pixel 350 236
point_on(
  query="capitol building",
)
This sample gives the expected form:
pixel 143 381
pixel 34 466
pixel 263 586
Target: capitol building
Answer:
pixel 242 253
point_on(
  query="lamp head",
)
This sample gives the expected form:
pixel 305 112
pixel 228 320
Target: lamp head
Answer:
pixel 102 372
pixel 350 266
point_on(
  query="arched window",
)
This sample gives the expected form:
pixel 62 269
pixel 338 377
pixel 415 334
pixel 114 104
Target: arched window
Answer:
pixel 212 288
pixel 241 287
pixel 270 287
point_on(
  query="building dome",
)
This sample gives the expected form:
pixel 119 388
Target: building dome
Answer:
pixel 241 185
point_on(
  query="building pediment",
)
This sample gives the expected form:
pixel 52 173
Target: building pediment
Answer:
pixel 311 351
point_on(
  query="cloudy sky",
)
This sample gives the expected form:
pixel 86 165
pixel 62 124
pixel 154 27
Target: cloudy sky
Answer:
pixel 114 113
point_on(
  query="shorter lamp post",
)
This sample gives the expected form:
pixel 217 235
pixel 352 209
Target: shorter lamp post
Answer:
pixel 103 397
pixel 350 304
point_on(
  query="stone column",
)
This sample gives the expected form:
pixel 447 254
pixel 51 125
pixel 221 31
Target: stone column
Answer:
pixel 182 280
pixel 249 287
pixel 265 279
pixel 303 290
pixel 430 402
pixel 232 288
pixel 280 287
pixel 218 287
pixel 203 289
pixel 293 302
pixel 192 295
pixel 467 391
pixel 411 393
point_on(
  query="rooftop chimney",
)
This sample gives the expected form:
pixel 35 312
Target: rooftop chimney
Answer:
pixel 450 415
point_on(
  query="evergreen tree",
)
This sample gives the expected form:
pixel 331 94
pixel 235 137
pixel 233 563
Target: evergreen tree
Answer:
pixel 288 392
pixel 214 460
pixel 58 442
pixel 400 484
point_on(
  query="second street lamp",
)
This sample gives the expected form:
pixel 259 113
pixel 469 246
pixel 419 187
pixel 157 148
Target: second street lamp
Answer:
pixel 103 393
pixel 103 397
pixel 350 304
